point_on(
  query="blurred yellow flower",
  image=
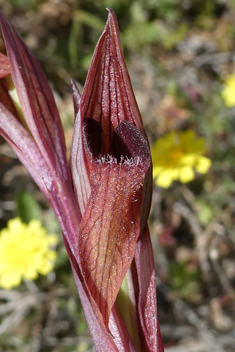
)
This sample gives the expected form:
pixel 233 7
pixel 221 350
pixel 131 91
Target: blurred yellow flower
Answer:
pixel 176 156
pixel 228 92
pixel 25 252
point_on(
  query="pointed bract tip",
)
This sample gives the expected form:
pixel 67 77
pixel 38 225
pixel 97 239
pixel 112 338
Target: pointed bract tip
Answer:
pixel 112 17
pixel 111 13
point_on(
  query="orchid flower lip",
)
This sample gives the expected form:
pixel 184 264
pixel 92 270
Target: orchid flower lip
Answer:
pixel 127 145
pixel 103 203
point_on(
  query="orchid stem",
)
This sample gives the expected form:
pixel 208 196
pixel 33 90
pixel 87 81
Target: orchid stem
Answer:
pixel 126 304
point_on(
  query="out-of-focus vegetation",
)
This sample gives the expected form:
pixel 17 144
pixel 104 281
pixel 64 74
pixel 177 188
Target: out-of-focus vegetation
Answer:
pixel 179 54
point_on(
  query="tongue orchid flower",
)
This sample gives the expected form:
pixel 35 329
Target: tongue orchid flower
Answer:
pixel 103 202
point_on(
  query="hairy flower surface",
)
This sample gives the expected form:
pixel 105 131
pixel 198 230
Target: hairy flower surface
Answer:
pixel 103 203
pixel 25 252
pixel 176 156
pixel 228 92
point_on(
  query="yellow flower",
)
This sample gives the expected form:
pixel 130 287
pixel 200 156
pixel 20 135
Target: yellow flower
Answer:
pixel 25 252
pixel 228 92
pixel 176 155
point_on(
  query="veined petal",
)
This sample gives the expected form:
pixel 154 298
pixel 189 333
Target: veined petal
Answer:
pixel 111 168
pixel 4 66
pixel 107 98
pixel 112 220
pixel 108 95
pixel 59 195
pixel 25 148
pixel 103 341
pixel 36 99
pixel 40 147
pixel 145 288
pixel 79 167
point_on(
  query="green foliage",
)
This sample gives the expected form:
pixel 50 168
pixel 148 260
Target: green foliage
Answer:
pixel 22 4
pixel 80 20
pixel 169 10
pixel 205 212
pixel 184 281
pixel 27 207
pixel 138 35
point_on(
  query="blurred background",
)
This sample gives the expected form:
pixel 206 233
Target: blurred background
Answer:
pixel 180 55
